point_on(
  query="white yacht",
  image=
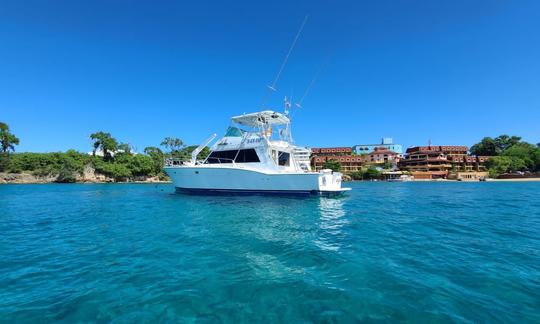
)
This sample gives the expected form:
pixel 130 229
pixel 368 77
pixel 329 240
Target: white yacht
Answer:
pixel 256 155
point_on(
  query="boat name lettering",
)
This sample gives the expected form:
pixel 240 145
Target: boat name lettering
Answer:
pixel 253 140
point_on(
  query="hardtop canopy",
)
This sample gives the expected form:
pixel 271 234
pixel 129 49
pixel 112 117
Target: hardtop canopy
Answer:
pixel 266 117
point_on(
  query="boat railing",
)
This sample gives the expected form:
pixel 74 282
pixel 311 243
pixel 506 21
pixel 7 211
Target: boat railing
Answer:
pixel 175 162
pixel 221 160
pixel 169 162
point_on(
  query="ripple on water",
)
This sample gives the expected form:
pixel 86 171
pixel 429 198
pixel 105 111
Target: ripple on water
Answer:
pixel 389 252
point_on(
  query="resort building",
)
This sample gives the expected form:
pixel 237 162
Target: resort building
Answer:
pixel 343 155
pixel 386 142
pixel 381 155
pixel 441 162
pixel 327 151
pixel 349 163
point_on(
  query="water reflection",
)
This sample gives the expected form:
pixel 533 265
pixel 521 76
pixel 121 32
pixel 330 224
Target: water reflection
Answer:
pixel 278 238
pixel 331 222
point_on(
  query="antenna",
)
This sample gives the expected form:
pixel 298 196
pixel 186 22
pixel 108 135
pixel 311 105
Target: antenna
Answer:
pixel 315 77
pixel 272 87
pixel 299 103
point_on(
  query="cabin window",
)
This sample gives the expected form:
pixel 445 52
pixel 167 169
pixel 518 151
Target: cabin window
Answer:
pixel 234 132
pixel 247 156
pixel 242 156
pixel 284 158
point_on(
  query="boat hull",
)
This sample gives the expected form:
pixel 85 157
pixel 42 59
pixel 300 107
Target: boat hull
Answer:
pixel 208 180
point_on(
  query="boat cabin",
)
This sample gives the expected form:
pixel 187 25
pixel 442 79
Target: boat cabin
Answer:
pixel 263 138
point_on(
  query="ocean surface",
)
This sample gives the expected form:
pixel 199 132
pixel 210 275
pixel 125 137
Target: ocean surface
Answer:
pixel 386 252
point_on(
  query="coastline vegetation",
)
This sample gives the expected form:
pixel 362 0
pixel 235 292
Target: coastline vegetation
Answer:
pixel 117 161
pixel 509 154
pixel 109 158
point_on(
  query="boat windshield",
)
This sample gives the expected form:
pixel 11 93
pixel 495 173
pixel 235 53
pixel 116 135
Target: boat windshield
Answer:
pixel 234 132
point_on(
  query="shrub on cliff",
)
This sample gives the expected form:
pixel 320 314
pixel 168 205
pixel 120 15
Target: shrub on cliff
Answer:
pixel 66 175
pixel 4 162
pixel 118 171
pixel 141 165
pixel 43 164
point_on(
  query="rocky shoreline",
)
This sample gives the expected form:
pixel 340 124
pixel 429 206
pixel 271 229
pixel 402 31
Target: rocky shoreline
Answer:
pixel 88 176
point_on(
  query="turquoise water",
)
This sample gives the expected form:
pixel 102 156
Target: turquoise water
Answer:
pixel 417 252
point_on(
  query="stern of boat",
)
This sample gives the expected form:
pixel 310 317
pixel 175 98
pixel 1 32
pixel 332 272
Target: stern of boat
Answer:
pixel 330 182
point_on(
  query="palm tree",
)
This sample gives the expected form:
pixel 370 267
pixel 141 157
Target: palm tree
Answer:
pixel 7 140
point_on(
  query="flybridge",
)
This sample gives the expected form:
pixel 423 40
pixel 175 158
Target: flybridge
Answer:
pixel 262 118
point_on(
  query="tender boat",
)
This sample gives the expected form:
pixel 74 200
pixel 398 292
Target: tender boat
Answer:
pixel 256 155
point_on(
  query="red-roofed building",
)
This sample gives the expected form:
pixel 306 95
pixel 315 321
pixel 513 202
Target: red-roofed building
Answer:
pixel 343 155
pixel 383 155
pixel 349 163
pixel 321 151
pixel 436 162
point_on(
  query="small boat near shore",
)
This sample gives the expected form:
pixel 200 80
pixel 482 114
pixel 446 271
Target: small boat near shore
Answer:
pixel 256 155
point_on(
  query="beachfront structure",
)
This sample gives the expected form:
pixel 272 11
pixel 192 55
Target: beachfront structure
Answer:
pixel 343 155
pixel 328 151
pixel 349 163
pixel 386 142
pixel 382 155
pixel 438 162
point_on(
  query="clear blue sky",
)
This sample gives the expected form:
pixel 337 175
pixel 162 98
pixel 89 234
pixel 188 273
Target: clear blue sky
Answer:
pixel 449 71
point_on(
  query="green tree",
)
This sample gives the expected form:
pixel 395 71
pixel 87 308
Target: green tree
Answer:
pixel 118 171
pixel 105 142
pixel 536 159
pixel 357 175
pixel 491 147
pixel 498 165
pixel 70 166
pixel 504 142
pixel 522 151
pixel 4 161
pixel 7 139
pixel 517 164
pixel 372 173
pixel 332 165
pixel 172 144
pixel 486 147
pixel 140 165
pixel 157 157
